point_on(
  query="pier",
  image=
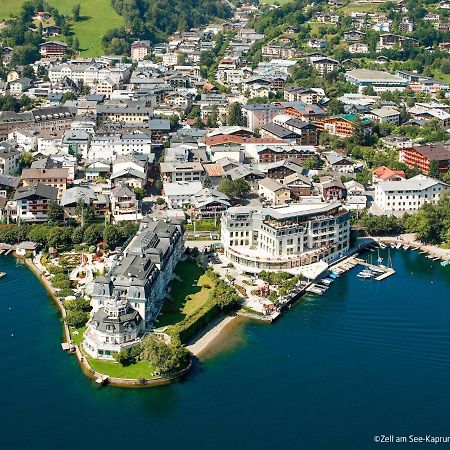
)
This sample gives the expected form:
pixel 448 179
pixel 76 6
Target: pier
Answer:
pixel 352 261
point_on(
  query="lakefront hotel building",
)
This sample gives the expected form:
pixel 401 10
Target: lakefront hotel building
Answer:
pixel 126 302
pixel 285 237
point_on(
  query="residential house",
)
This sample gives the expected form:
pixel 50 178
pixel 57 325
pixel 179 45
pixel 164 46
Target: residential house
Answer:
pixel 181 171
pixel 384 173
pixel 9 159
pixel 339 163
pixel 178 194
pixel 273 191
pixel 208 203
pixel 33 202
pixel 56 178
pixel 386 115
pixel 299 185
pixel 124 205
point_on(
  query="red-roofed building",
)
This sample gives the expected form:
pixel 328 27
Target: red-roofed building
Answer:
pixel 422 156
pixel 384 173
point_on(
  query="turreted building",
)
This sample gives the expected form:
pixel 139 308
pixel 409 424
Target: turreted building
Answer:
pixel 126 302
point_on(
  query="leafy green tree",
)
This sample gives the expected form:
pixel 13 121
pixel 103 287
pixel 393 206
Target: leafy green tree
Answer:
pixel 55 212
pixel 207 182
pixel 139 192
pixel 335 107
pixel 434 170
pixel 235 116
pixel 76 12
pixel 163 357
pixel 93 234
pixel 112 235
pixel 76 318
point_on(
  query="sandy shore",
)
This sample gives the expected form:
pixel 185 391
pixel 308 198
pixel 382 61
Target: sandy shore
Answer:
pixel 203 341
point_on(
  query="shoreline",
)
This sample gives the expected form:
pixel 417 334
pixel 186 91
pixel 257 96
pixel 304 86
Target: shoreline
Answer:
pixel 409 239
pixel 85 367
pixel 204 340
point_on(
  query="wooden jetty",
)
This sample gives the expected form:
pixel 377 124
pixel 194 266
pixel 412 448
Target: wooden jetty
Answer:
pixel 384 271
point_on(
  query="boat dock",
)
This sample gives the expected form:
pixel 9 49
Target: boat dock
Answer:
pixel 352 261
pixel 384 271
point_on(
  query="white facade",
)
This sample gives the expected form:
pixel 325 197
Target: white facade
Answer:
pixel 110 147
pixel 407 196
pixel 285 237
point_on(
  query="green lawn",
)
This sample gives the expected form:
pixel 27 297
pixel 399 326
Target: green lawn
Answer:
pixel 360 7
pixel 9 8
pixel 97 17
pixel 179 307
pixel 280 2
pixel 141 369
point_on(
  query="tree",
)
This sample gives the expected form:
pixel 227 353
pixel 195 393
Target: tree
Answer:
pixel 112 235
pixel 55 212
pixel 369 90
pixel 207 182
pixel 139 192
pixel 83 212
pixel 181 59
pixel 165 358
pixel 93 234
pixel 311 163
pixel 235 116
pixel 335 107
pixel 226 187
pixel 76 12
pixel 241 188
pixel 76 318
pixel 434 170
pixel 26 158
pixel 75 44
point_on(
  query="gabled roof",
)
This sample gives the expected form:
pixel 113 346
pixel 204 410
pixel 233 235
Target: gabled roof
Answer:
pixel 36 190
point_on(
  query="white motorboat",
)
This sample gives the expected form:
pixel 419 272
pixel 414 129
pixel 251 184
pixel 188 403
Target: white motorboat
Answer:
pixel 365 273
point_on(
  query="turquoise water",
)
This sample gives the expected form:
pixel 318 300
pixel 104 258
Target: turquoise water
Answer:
pixel 367 358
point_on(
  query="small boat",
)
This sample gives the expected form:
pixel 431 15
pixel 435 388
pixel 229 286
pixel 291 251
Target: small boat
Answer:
pixel 333 275
pixel 382 245
pixel 365 273
pixel 406 247
pixel 2 274
pixel 445 263
pixel 398 246
pixel 393 245
pixel 379 260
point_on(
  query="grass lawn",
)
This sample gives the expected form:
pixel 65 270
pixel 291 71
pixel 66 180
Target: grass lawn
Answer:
pixel 179 307
pixel 141 369
pixel 9 8
pixel 280 2
pixel 96 19
pixel 360 7
pixel 439 75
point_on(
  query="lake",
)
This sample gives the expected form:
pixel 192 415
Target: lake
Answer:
pixel 367 358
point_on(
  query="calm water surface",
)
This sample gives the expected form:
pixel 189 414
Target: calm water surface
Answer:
pixel 365 359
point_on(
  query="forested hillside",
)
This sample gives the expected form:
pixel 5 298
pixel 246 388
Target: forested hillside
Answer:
pixel 155 19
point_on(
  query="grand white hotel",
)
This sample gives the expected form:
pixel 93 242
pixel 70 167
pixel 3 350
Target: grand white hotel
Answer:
pixel 287 237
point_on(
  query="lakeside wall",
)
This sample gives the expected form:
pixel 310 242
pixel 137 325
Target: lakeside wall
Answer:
pixel 84 363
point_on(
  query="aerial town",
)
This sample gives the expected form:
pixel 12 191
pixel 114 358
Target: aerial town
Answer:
pixel 225 223
pixel 251 147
